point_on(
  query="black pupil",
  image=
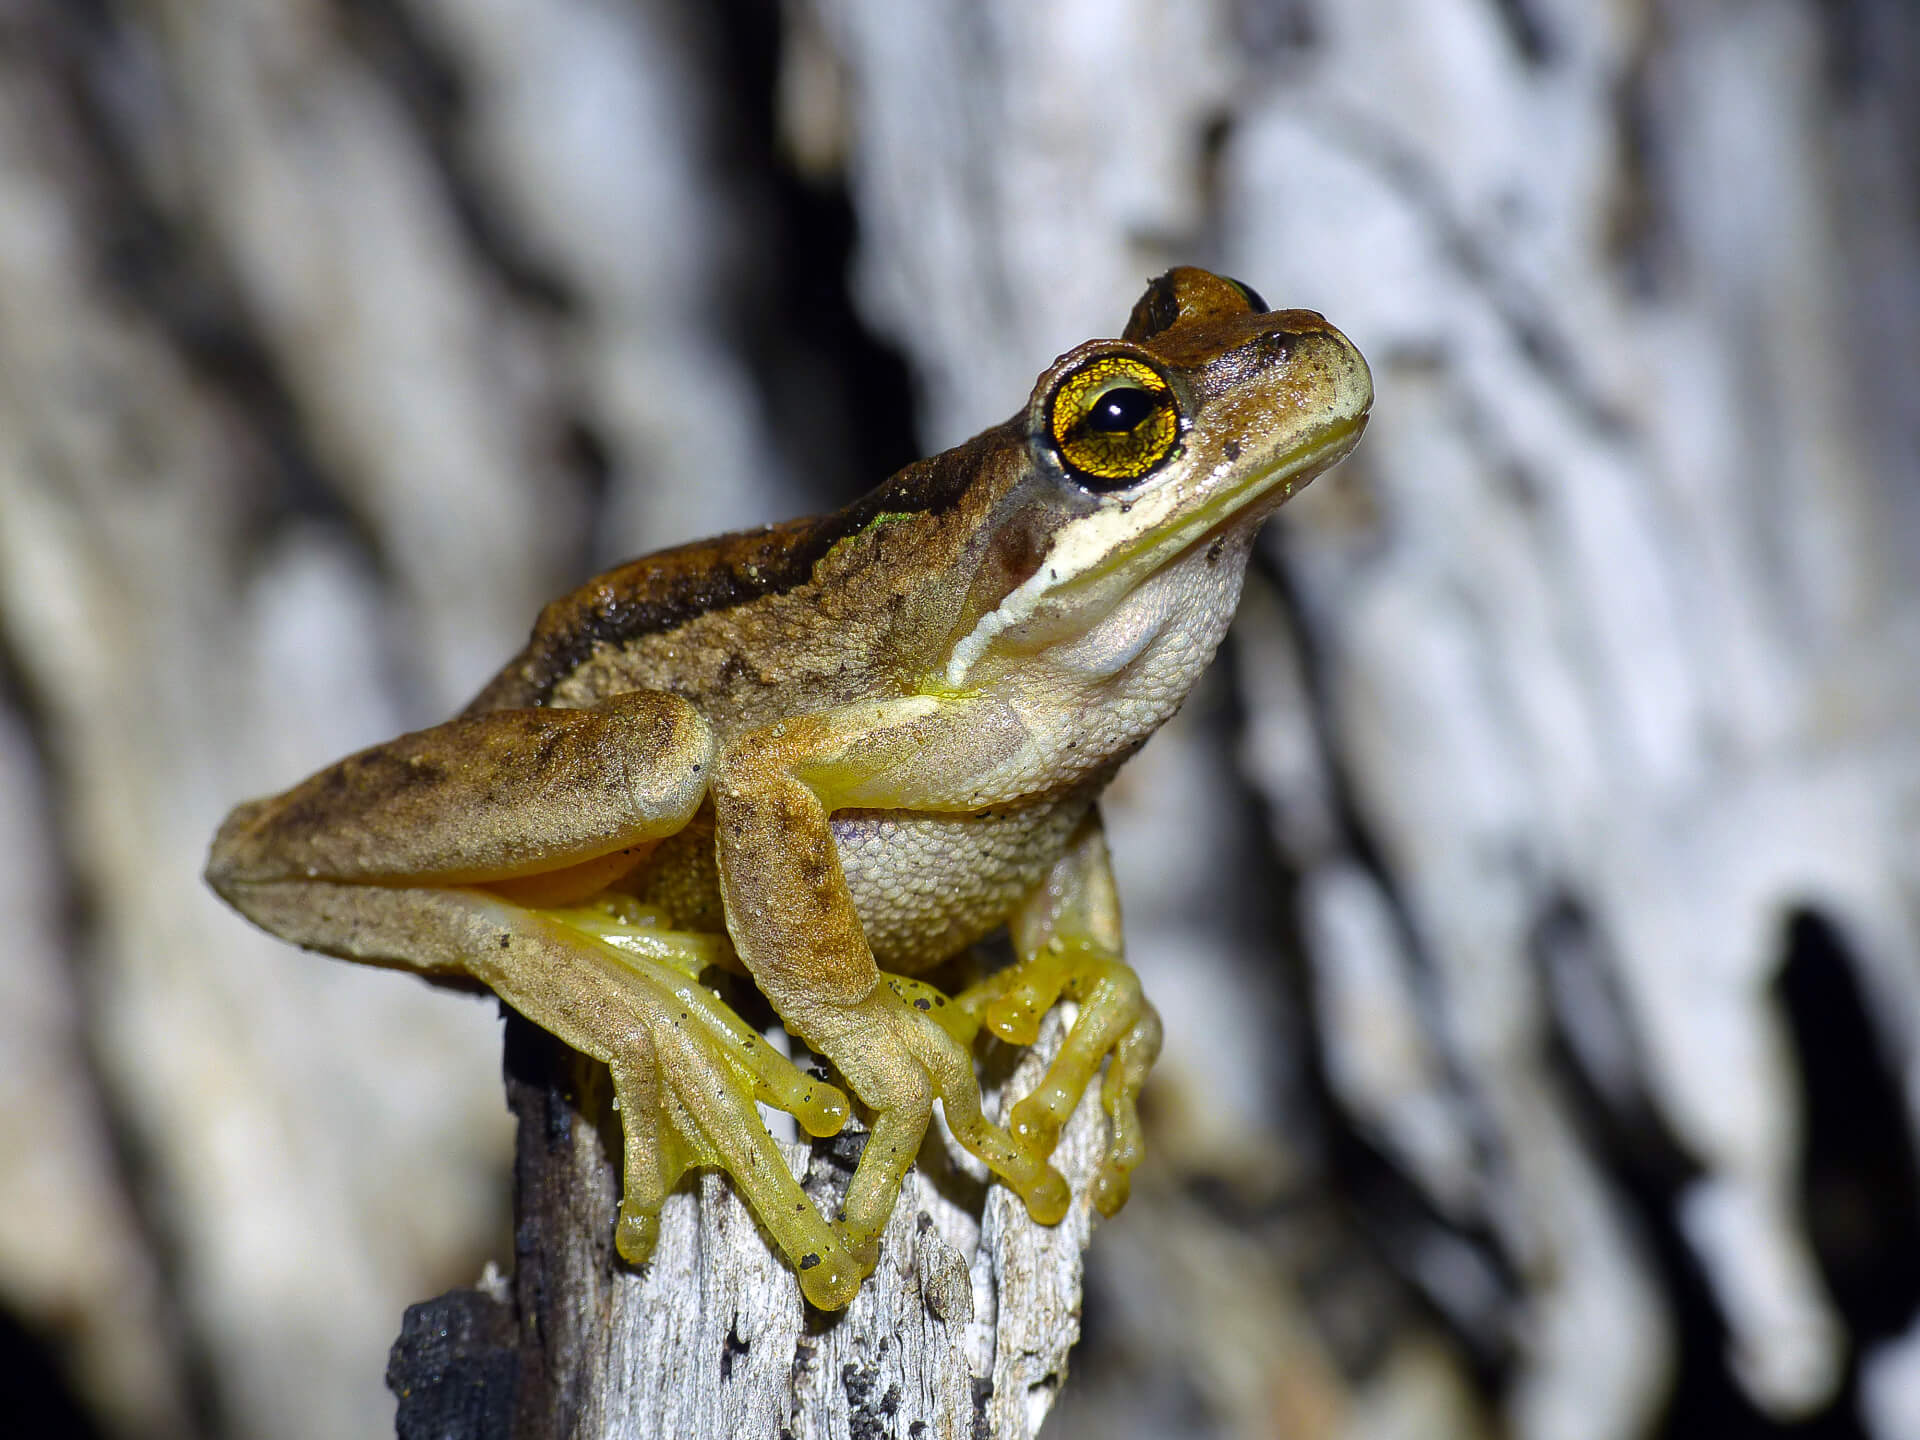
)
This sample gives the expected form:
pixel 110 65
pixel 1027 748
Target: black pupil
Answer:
pixel 1120 409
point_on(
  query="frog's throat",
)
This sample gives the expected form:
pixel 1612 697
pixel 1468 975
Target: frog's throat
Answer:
pixel 1118 546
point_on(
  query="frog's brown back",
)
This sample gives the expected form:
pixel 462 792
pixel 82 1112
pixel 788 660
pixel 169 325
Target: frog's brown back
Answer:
pixel 656 595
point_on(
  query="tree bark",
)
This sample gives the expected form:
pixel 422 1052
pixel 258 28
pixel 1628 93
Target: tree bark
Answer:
pixel 1529 893
pixel 963 1330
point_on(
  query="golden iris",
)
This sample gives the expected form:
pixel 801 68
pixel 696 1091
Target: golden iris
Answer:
pixel 1113 421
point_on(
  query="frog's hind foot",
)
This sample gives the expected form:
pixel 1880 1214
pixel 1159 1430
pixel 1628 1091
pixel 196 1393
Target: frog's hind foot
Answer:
pixel 687 1073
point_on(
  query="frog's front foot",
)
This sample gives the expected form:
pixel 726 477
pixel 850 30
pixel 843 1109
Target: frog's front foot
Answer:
pixel 901 1048
pixel 687 1074
pixel 1115 1020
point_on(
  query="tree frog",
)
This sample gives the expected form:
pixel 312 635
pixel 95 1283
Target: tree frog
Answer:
pixel 834 753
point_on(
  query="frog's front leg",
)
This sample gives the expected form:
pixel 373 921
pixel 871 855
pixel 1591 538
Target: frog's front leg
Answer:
pixel 793 922
pixel 1068 939
pixel 441 851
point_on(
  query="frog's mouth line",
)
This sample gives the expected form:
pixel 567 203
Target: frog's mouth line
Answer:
pixel 1309 460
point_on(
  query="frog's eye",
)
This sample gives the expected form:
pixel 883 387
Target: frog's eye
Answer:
pixel 1113 421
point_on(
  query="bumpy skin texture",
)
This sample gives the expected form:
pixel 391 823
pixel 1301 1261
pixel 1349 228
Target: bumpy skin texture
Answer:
pixel 834 753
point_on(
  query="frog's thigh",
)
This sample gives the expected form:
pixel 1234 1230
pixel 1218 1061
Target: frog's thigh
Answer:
pixel 481 798
pixel 686 1071
pixel 794 924
pixel 1067 935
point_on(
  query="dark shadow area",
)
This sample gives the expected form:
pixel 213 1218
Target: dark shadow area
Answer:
pixel 1859 1180
pixel 34 1397
pixel 1649 1167
pixel 839 397
pixel 1859 1189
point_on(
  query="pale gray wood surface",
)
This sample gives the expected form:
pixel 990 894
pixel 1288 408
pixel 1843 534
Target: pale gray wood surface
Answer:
pixel 964 1328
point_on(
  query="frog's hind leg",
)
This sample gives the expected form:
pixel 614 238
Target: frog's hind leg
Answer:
pixel 449 851
pixel 491 798
pixel 687 1072
pixel 1067 936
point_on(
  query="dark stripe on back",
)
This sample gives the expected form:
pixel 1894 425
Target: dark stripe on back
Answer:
pixel 656 592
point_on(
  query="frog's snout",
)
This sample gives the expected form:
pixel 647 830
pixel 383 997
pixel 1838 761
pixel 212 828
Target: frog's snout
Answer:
pixel 1352 379
pixel 233 860
pixel 1322 366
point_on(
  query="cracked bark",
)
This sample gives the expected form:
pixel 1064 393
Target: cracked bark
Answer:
pixel 964 1329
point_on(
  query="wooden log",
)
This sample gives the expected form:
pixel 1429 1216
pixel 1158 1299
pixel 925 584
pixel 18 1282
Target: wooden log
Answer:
pixel 963 1330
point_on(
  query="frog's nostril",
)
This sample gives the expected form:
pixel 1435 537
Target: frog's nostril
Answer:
pixel 1276 347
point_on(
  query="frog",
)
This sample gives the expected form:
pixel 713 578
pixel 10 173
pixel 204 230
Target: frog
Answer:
pixel 831 755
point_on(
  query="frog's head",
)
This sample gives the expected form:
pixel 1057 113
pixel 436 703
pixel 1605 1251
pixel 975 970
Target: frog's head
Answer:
pixel 1205 416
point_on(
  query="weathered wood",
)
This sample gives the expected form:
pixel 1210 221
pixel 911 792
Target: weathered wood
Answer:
pixel 455 1370
pixel 964 1329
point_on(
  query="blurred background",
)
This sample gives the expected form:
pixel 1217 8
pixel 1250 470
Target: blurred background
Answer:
pixel 1532 891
